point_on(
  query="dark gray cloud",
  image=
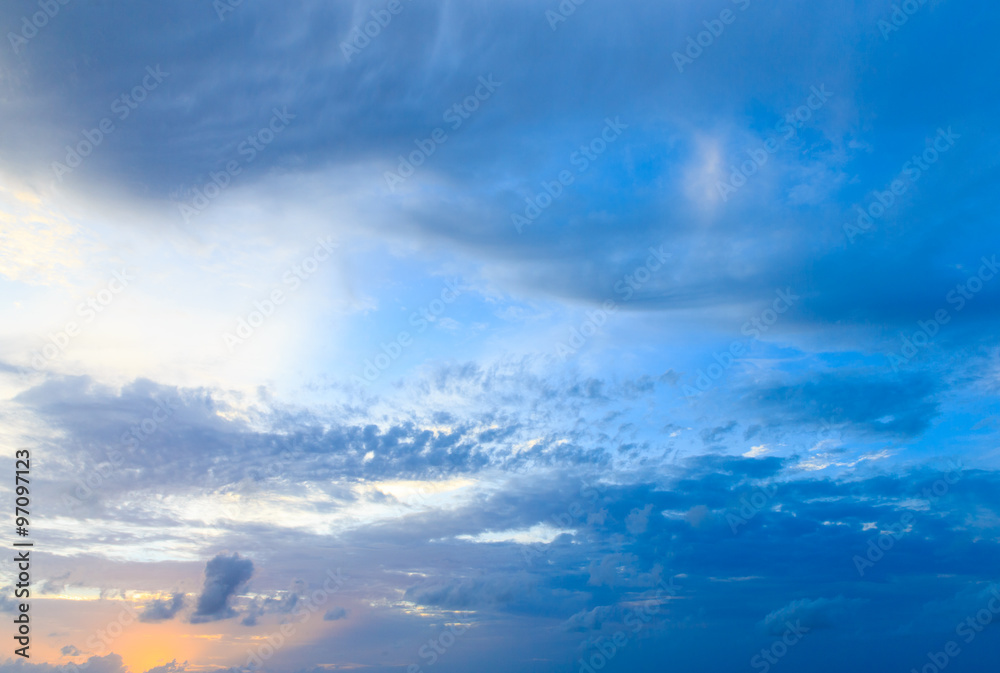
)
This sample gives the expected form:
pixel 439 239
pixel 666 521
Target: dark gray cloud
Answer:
pixel 160 610
pixel 224 575
pixel 334 614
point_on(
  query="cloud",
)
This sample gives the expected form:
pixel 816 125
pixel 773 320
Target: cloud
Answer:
pixel 7 603
pixel 876 402
pixel 223 576
pixel 638 519
pixel 170 667
pixel 334 614
pixel 815 614
pixel 69 651
pixel 466 593
pixel 593 619
pixel 110 663
pixel 160 610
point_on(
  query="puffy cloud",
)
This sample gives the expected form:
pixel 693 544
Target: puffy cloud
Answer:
pixel 110 663
pixel 223 576
pixel 160 610
pixel 170 667
pixel 334 614
pixel 638 519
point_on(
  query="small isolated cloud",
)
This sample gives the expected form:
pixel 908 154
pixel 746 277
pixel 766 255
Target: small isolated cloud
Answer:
pixel 162 610
pixel 594 619
pixel 821 613
pixel 223 576
pixel 756 451
pixel 638 520
pixel 69 651
pixel 335 614
pixel 715 435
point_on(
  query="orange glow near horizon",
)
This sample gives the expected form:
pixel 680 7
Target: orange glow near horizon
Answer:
pixel 89 625
pixel 145 646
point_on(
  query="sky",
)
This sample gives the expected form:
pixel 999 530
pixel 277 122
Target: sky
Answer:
pixel 522 336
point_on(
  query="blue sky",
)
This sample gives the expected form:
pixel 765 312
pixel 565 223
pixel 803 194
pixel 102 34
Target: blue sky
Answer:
pixel 523 336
